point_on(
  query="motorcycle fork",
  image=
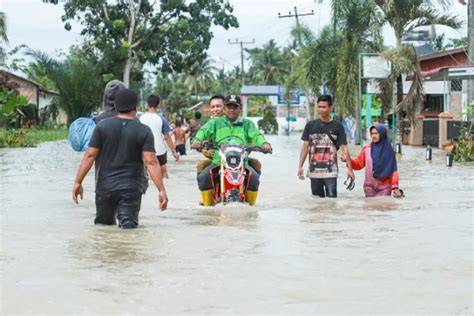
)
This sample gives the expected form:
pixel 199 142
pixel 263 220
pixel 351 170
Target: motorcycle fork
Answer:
pixel 222 182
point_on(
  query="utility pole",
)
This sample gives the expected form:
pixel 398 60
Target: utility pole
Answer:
pixel 296 15
pixel 242 54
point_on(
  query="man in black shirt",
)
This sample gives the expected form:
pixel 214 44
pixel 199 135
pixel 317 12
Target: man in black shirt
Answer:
pixel 322 138
pixel 118 146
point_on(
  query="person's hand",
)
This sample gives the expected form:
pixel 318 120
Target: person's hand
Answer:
pixel 351 174
pixel 343 157
pixel 266 148
pixel 175 155
pixel 163 200
pixel 77 190
pixel 196 145
pixel 396 193
pixel 301 173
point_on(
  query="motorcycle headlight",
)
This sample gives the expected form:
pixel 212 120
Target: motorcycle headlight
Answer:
pixel 233 162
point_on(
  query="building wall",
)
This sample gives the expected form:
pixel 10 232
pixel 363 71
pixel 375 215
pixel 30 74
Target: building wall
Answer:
pixel 45 100
pixel 455 104
pixel 26 89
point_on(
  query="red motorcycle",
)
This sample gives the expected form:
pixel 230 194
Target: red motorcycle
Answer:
pixel 231 177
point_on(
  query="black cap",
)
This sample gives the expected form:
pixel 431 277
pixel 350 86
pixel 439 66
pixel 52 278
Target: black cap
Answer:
pixel 232 99
pixel 125 100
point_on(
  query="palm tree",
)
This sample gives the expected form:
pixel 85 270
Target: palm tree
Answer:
pixel 3 35
pixel 77 80
pixel 268 65
pixel 403 16
pixel 201 76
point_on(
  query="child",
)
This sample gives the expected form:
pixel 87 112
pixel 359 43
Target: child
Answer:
pixel 180 138
pixel 378 158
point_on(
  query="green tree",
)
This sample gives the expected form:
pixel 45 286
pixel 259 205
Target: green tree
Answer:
pixel 77 79
pixel 200 77
pixel 403 16
pixel 173 92
pixel 173 34
pixel 268 65
pixel 360 26
pixel 3 36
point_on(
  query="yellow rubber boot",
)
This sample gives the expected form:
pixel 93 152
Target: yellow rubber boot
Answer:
pixel 207 197
pixel 251 197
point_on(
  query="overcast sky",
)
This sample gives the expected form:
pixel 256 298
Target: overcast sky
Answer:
pixel 39 26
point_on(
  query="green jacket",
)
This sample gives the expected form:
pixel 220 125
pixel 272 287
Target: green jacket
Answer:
pixel 218 128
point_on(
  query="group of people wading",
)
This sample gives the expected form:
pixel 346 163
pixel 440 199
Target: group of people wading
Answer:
pixel 123 146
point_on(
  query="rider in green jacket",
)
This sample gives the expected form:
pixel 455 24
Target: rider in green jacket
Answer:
pixel 229 128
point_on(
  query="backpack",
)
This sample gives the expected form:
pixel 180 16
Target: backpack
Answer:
pixel 80 133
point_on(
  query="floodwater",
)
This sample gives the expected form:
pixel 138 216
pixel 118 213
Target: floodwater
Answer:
pixel 291 254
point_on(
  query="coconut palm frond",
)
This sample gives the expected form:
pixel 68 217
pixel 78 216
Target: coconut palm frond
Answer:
pixel 430 16
pixel 3 27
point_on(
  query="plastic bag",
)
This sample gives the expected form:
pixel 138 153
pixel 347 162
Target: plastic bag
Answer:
pixel 80 133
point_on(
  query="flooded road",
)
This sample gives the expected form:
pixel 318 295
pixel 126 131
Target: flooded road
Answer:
pixel 291 254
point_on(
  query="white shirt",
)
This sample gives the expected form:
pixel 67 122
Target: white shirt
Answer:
pixel 155 123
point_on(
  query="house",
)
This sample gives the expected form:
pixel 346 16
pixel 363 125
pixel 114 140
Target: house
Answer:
pixel 445 87
pixel 34 91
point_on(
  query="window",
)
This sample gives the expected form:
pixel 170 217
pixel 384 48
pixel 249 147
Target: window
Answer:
pixel 433 103
pixel 456 85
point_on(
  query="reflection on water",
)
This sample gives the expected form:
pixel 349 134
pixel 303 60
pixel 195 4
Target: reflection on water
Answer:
pixel 291 254
pixel 230 215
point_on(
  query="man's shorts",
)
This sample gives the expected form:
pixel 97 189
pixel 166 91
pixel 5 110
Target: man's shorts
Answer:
pixel 181 149
pixel 162 159
pixel 122 205
pixel 324 187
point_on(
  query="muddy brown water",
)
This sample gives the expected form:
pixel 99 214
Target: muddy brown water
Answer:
pixel 291 254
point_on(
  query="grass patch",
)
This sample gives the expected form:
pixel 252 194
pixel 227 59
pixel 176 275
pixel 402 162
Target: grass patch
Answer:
pixel 30 137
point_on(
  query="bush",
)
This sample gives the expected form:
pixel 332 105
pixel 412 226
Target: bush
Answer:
pixel 268 123
pixel 30 137
pixel 254 113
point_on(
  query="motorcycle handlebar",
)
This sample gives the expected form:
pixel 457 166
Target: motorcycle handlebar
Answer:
pixel 249 149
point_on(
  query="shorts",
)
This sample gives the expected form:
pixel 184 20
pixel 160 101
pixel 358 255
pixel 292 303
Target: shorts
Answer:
pixel 123 205
pixel 326 187
pixel 162 159
pixel 181 149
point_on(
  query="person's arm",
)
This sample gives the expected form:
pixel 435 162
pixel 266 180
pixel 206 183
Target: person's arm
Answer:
pixel 342 143
pixel 358 163
pixel 171 145
pixel 303 155
pixel 154 170
pixel 204 133
pixel 345 152
pixel 86 164
pixel 394 183
pixel 253 135
pixel 256 137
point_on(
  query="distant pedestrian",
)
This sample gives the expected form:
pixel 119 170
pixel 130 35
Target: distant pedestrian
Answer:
pixel 161 132
pixel 111 89
pixel 179 138
pixel 119 145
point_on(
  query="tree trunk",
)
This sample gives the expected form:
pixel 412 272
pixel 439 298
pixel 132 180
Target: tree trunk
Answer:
pixel 398 114
pixel 128 68
pixel 131 32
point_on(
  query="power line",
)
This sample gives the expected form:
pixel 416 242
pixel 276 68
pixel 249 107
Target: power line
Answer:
pixel 241 53
pixel 296 15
